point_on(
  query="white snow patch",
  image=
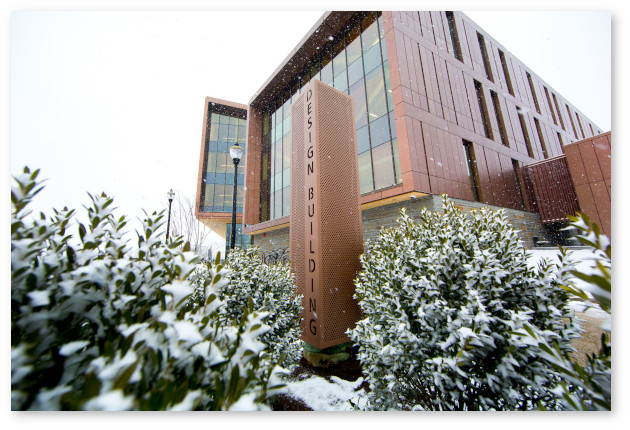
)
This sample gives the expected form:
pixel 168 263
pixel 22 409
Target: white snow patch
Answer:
pixel 321 395
pixel 112 401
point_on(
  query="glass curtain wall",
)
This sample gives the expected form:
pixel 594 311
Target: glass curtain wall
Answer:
pixel 223 131
pixel 355 62
pixel 241 240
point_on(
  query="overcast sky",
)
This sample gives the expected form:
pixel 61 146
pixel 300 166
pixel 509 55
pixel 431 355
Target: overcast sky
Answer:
pixel 113 101
pixel 107 101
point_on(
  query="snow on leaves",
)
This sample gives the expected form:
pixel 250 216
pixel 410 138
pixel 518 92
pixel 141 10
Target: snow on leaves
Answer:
pixel 97 325
pixel 446 294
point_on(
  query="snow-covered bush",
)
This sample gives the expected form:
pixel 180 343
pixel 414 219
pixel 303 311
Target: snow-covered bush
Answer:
pixel 442 299
pixel 97 325
pixel 271 289
pixel 589 387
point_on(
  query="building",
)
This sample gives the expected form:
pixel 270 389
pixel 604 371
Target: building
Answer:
pixel 440 108
pixel 224 124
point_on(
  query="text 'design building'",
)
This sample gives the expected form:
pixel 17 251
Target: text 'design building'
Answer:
pixel 326 235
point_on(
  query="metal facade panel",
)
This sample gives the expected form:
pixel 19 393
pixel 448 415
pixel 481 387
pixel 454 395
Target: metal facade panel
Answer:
pixel 553 190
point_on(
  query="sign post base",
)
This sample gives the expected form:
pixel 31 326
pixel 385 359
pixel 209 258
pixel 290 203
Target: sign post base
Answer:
pixel 327 356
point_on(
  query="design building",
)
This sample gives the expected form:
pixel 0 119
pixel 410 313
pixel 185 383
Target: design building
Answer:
pixel 440 107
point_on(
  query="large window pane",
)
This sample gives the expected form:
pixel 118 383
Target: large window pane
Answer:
pixel 278 156
pixel 211 163
pixel 357 91
pixel 286 177
pixel 232 134
pixel 379 131
pixel 365 172
pixel 219 190
pixel 208 198
pixel 383 166
pixel 242 135
pixel 286 124
pixel 363 139
pixel 277 178
pixel 223 132
pixel 286 201
pixel 353 44
pixel 369 37
pixel 214 131
pixel 286 151
pixel 371 58
pixel 341 81
pixel 227 197
pixel 278 204
pixel 327 72
pixel 355 72
pixel 224 119
pixel 339 57
pixel 222 162
pixel 377 105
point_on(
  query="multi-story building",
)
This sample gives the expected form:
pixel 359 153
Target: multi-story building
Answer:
pixel 224 124
pixel 440 108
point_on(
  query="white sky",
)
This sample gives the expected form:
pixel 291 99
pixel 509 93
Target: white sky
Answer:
pixel 113 101
pixel 108 101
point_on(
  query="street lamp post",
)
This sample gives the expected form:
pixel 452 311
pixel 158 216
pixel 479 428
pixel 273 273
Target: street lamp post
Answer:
pixel 170 195
pixel 236 152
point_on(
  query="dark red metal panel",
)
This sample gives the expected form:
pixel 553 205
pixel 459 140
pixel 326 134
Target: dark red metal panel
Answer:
pixel 553 189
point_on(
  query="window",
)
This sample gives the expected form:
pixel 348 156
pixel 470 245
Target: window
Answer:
pixel 506 72
pixel 241 240
pixel 452 29
pixel 559 139
pixel 225 127
pixel 354 62
pixel 553 115
pixel 471 169
pixel 481 100
pixel 517 177
pixel 580 124
pixel 531 88
pixel 571 119
pixel 555 102
pixel 499 115
pixel 541 138
pixel 528 143
pixel 484 56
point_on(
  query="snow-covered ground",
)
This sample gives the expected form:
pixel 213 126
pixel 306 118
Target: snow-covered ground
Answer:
pixel 320 394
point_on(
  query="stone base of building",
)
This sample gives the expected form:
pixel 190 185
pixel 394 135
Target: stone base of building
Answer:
pixel 327 356
pixel 531 230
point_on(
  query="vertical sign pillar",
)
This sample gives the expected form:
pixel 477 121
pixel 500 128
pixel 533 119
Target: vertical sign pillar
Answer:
pixel 326 234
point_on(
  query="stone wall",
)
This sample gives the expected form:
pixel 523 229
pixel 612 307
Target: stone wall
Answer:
pixel 375 219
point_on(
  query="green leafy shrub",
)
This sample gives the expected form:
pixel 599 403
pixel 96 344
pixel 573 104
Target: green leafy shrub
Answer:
pixel 271 289
pixel 587 388
pixel 442 299
pixel 97 325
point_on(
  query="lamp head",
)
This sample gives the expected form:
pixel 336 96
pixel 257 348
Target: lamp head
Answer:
pixel 170 195
pixel 236 152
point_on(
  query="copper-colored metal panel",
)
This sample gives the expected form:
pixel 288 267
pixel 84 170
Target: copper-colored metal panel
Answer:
pixel 602 203
pixel 591 164
pixel 326 235
pixel 555 195
pixel 601 145
pixel 587 202
pixel 401 55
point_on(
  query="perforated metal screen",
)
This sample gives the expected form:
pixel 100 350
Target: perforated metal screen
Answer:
pixel 326 235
